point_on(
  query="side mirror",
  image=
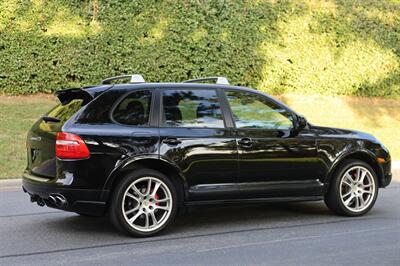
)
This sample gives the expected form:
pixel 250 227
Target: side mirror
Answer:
pixel 302 122
pixel 299 123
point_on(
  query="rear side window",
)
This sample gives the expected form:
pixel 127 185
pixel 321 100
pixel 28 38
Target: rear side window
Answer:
pixel 98 110
pixel 134 109
pixel 192 108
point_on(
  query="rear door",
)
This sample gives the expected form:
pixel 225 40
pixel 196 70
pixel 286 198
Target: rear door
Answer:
pixel 195 137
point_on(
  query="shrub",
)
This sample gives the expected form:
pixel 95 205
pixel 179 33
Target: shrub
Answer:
pixel 326 47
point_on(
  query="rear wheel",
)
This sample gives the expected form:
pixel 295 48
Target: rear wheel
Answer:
pixel 353 190
pixel 144 203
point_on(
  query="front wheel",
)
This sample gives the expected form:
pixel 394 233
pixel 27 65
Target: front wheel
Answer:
pixel 144 203
pixel 353 190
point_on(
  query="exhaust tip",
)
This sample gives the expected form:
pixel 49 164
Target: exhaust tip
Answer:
pixel 58 200
pixel 39 201
pixel 52 199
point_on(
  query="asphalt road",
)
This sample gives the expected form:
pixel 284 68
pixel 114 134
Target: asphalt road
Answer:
pixel 272 234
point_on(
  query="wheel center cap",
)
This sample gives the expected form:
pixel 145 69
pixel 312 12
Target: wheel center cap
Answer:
pixel 145 203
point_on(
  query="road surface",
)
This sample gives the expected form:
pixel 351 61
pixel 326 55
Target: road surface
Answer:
pixel 272 234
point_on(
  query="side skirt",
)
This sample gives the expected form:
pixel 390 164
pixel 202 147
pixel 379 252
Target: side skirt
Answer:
pixel 257 190
pixel 255 200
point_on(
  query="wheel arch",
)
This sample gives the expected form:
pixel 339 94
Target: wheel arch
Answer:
pixel 165 167
pixel 364 156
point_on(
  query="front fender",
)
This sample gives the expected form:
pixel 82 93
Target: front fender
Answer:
pixel 361 154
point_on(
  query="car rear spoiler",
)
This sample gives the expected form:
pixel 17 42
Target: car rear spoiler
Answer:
pixel 67 95
pixel 85 93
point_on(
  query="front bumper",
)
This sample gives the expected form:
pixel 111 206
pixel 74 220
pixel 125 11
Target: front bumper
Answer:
pixel 387 178
pixel 85 201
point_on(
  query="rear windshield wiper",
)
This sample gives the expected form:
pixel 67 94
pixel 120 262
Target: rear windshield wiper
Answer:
pixel 50 119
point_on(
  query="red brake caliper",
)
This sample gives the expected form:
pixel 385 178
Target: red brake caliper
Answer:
pixel 157 197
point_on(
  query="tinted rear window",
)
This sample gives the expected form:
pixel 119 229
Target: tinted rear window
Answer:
pixel 192 108
pixel 134 109
pixel 98 110
pixel 64 112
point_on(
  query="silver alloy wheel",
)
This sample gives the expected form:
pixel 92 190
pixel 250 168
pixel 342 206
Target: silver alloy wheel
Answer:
pixel 357 188
pixel 147 204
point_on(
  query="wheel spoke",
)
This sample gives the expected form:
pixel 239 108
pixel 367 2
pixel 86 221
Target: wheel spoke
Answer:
pixel 148 187
pixel 137 190
pixel 165 208
pixel 363 174
pixel 132 197
pixel 362 201
pixel 347 202
pixel 358 175
pixel 347 194
pixel 133 219
pixel 366 186
pixel 357 202
pixel 161 200
pixel 132 210
pixel 348 184
pixel 348 177
pixel 156 186
pixel 146 217
pixel 367 192
pixel 153 218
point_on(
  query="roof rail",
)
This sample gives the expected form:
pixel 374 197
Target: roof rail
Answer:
pixel 135 78
pixel 218 80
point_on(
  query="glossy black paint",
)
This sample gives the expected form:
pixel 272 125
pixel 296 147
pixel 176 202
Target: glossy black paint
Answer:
pixel 274 156
pixel 204 156
pixel 207 164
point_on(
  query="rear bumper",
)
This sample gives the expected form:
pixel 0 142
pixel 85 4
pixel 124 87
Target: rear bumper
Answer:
pixel 85 201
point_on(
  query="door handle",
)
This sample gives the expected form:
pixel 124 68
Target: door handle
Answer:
pixel 171 141
pixel 246 141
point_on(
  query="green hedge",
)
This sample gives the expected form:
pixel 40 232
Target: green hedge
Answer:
pixel 327 47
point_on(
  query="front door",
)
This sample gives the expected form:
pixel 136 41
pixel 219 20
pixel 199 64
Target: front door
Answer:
pixel 272 160
pixel 195 138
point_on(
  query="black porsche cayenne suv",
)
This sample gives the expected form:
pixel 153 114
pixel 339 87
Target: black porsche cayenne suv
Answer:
pixel 141 151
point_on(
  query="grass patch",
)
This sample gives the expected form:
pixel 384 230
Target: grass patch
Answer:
pixel 377 116
pixel 380 117
pixel 17 115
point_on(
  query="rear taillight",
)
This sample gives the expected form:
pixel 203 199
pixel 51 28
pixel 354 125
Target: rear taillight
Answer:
pixel 71 146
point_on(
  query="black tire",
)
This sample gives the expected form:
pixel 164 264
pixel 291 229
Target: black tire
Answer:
pixel 333 198
pixel 116 213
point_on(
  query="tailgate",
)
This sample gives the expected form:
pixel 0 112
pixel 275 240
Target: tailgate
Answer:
pixel 41 138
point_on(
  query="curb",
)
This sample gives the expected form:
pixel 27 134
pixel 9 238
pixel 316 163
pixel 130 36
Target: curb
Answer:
pixel 15 184
pixel 11 184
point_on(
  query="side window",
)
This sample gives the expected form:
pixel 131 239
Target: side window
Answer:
pixel 254 111
pixel 192 108
pixel 134 110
